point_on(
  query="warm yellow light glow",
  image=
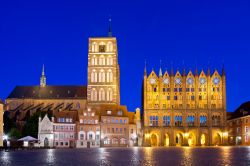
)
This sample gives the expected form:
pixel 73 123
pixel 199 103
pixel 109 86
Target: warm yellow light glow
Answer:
pixel 225 134
pixel 186 134
pixel 203 139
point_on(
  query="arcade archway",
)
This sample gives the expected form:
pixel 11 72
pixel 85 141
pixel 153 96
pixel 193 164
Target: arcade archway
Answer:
pixel 153 140
pixel 166 140
pixel 191 140
pixel 217 139
pixel 203 140
pixel 179 139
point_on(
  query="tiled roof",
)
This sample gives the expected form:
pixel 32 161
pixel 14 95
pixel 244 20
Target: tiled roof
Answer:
pixel 48 92
pixel 242 111
pixel 66 114
pixel 102 111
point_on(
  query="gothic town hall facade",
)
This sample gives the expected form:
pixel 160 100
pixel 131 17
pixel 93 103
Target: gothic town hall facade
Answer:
pixel 184 108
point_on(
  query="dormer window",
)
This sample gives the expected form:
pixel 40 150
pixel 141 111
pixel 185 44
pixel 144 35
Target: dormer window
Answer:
pixel 60 120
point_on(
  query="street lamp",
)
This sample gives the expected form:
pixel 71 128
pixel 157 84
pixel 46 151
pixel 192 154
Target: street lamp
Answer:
pixel 5 137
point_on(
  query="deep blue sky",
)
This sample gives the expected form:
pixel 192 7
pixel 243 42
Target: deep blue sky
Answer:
pixel 56 33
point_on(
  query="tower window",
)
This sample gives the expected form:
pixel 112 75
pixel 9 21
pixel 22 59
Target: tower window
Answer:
pixel 102 48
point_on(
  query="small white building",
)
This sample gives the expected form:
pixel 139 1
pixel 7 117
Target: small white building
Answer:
pixel 45 132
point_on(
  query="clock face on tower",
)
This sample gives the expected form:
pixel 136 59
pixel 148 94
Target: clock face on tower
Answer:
pixel 166 81
pixel 177 81
pixel 202 81
pixel 190 81
pixel 216 80
pixel 152 81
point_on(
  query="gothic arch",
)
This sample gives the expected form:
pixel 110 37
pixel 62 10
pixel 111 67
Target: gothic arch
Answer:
pixel 110 47
pixel 102 76
pixel 101 95
pixel 93 95
pixel 109 94
pixel 109 76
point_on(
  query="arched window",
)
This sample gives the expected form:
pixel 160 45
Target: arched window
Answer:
pixel 109 95
pixel 190 120
pixel 93 95
pixel 93 76
pixel 94 60
pixel 102 76
pixel 94 47
pixel 203 120
pixel 110 47
pixel 109 76
pixel 101 60
pixel 101 95
pixel 109 60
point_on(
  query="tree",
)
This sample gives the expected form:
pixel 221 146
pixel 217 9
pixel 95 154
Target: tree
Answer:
pixel 8 123
pixel 14 133
pixel 31 125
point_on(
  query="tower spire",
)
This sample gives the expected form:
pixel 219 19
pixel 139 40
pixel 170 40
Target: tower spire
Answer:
pixel 160 71
pixel 43 78
pixel 110 29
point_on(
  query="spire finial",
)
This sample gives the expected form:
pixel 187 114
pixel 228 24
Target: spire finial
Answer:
pixel 184 69
pixel 208 68
pixel 43 78
pixel 145 67
pixel 43 71
pixel 160 71
pixel 110 29
pixel 172 69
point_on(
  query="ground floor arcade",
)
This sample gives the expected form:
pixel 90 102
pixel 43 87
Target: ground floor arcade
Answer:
pixel 184 136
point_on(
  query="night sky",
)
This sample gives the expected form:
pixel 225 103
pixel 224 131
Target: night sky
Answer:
pixel 183 32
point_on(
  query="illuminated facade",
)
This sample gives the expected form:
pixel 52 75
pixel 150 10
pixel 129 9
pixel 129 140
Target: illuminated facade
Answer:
pixel 103 71
pixel 45 132
pixel 239 131
pixel 88 129
pixel 238 125
pixel 117 125
pixel 184 108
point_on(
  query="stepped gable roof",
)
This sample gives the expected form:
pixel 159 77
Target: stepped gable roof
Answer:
pixel 242 111
pixel 49 92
